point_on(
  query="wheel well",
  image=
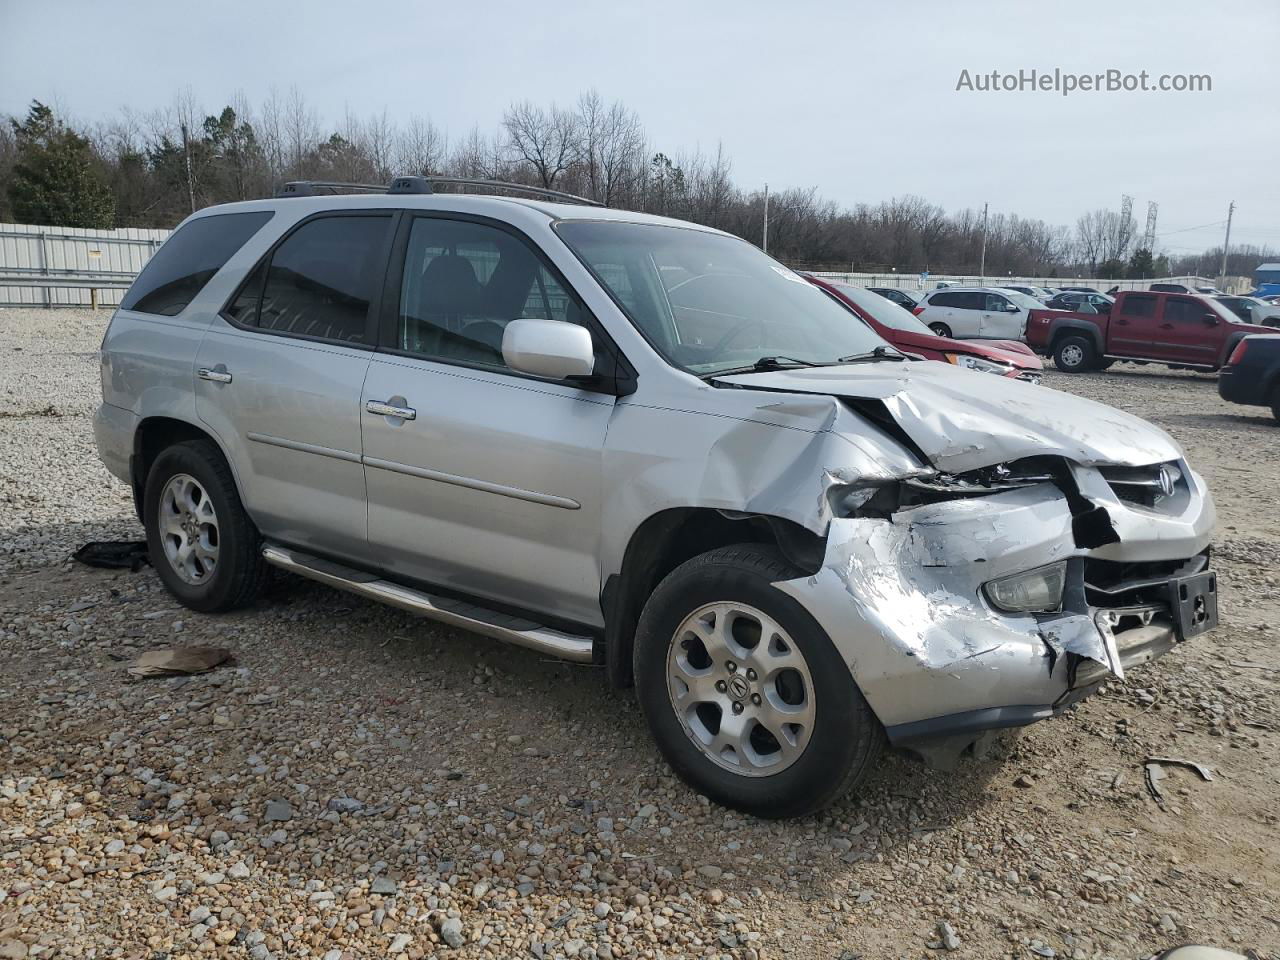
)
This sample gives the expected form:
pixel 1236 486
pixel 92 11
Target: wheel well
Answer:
pixel 152 437
pixel 668 539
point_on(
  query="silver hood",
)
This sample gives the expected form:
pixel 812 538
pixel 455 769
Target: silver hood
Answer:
pixel 962 419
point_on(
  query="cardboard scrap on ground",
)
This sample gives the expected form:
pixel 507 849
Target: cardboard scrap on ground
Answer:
pixel 176 661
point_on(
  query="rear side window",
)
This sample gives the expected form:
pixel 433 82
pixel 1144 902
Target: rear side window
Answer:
pixel 1139 306
pixel 945 300
pixel 188 260
pixel 319 282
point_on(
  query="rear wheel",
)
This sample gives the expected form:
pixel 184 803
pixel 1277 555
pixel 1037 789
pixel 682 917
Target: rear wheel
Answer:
pixel 1275 404
pixel 941 329
pixel 1074 355
pixel 745 694
pixel 203 545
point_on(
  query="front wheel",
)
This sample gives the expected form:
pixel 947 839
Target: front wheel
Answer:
pixel 745 694
pixel 203 545
pixel 1074 355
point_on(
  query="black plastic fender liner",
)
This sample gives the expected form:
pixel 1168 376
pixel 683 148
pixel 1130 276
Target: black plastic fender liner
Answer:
pixel 114 554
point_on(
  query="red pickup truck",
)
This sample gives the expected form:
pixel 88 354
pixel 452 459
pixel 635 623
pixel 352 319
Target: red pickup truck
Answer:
pixel 1182 330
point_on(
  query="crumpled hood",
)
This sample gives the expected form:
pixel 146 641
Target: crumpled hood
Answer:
pixel 962 419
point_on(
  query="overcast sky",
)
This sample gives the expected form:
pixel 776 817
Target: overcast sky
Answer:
pixel 857 99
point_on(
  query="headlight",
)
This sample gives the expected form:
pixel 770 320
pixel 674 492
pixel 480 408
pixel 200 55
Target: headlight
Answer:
pixel 1035 591
pixel 970 362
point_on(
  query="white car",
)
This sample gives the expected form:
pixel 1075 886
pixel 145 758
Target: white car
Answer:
pixel 988 313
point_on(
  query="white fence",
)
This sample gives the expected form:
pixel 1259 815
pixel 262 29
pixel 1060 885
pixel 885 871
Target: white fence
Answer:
pixel 59 266
pixel 70 267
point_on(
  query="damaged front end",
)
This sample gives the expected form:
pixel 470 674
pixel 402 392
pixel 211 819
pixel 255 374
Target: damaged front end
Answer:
pixel 994 597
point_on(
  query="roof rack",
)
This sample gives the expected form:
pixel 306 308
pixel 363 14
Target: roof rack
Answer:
pixel 421 185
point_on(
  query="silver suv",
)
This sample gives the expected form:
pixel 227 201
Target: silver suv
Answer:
pixel 628 440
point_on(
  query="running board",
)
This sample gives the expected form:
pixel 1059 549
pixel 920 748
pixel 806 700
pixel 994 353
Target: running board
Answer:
pixel 456 613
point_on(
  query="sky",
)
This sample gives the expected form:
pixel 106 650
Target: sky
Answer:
pixel 855 98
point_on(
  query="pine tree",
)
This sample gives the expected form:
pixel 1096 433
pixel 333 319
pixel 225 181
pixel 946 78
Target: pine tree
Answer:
pixel 57 179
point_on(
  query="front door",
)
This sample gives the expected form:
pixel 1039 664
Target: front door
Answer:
pixel 1001 319
pixel 1186 333
pixel 1132 326
pixel 279 375
pixel 480 479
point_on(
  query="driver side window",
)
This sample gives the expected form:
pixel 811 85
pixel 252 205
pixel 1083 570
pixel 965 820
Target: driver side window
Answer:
pixel 463 282
pixel 996 303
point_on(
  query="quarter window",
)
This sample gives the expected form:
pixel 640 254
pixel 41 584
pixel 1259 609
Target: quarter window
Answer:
pixel 319 282
pixel 463 282
pixel 188 260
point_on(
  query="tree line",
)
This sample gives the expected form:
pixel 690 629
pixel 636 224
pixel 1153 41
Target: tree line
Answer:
pixel 153 169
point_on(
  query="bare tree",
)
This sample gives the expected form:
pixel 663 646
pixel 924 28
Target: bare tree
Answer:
pixel 612 147
pixel 549 141
pixel 420 148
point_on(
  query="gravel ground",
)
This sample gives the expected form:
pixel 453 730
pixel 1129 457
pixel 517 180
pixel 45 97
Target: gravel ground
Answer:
pixel 363 784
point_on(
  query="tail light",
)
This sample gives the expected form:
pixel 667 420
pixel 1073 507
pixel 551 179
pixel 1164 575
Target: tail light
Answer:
pixel 918 310
pixel 1238 353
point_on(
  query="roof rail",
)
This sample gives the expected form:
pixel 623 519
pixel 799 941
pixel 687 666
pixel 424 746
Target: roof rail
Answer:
pixel 518 187
pixel 315 188
pixel 422 185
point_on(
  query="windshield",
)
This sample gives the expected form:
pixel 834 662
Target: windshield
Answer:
pixel 883 311
pixel 1022 300
pixel 709 302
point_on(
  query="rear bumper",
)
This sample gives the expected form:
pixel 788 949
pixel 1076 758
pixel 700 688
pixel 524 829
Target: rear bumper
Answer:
pixel 1241 386
pixel 113 431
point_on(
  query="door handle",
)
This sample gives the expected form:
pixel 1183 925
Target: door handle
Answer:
pixel 1166 326
pixel 383 409
pixel 217 376
pixel 1122 323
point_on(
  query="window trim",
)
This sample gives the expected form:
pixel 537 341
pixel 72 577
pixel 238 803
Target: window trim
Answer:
pixel 619 383
pixel 375 297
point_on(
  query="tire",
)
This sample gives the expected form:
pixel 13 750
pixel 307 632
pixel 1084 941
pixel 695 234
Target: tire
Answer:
pixel 1275 404
pixel 1074 355
pixel 941 329
pixel 838 739
pixel 203 545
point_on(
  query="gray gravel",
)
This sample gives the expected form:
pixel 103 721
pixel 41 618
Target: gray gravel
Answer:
pixel 362 784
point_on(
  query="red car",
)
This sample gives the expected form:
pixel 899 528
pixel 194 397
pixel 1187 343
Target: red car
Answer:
pixel 908 333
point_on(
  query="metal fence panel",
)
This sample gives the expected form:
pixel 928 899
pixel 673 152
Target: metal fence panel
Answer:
pixel 50 254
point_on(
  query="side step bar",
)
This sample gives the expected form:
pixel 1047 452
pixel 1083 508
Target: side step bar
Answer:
pixel 456 613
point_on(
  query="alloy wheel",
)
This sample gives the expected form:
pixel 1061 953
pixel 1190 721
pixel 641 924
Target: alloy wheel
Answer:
pixel 189 529
pixel 741 689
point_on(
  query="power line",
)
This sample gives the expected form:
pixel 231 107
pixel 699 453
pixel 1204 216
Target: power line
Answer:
pixel 1169 233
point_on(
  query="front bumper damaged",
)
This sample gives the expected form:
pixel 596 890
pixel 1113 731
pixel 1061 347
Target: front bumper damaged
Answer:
pixel 902 600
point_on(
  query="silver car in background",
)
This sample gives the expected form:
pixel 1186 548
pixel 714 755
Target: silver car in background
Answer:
pixel 638 442
pixel 987 313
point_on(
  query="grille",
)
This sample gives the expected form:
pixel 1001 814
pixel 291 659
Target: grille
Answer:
pixel 1150 486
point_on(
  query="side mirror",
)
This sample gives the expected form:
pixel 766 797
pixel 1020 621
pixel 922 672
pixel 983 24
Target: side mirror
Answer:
pixel 548 348
pixel 1211 319
pixel 1011 308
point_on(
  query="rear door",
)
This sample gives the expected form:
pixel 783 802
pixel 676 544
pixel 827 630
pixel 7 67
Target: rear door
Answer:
pixel 1132 329
pixel 279 375
pixel 1188 331
pixel 490 483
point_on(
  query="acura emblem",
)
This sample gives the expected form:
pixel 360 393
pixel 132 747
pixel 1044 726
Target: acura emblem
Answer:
pixel 1167 477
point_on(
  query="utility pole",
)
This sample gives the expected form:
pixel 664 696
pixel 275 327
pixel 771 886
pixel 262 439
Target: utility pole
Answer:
pixel 186 154
pixel 1222 274
pixel 982 269
pixel 766 218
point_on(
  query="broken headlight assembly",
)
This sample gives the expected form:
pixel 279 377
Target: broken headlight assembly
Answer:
pixel 969 362
pixel 1032 591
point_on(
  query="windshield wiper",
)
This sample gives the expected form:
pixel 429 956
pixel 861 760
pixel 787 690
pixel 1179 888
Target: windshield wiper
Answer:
pixel 881 352
pixel 779 363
